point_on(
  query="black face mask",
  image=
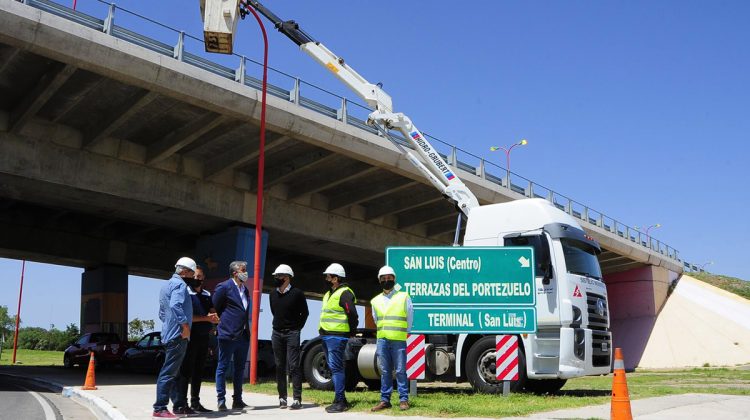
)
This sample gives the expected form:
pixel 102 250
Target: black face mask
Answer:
pixel 190 281
pixel 278 281
pixel 388 284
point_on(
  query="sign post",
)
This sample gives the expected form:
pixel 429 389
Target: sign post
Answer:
pixel 474 290
pixel 471 290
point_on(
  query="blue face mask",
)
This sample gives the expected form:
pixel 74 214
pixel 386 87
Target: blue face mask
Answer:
pixel 242 277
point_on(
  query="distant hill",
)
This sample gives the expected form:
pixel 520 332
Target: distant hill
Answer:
pixel 730 284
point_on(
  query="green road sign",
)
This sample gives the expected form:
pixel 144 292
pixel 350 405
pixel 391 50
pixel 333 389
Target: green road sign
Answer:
pixel 462 276
pixel 474 320
pixel 488 290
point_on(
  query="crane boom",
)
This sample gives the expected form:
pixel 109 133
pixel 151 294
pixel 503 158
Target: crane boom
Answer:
pixel 431 164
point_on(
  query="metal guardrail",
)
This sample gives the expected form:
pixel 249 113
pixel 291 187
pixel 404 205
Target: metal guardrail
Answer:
pixel 345 110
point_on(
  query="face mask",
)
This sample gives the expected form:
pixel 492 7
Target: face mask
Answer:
pixel 387 284
pixel 187 280
pixel 278 281
pixel 242 277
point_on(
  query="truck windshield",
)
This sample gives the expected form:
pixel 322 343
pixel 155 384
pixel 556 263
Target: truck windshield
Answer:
pixel 580 258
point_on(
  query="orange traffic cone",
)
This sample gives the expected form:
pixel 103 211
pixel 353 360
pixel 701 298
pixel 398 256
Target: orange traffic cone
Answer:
pixel 620 409
pixel 90 383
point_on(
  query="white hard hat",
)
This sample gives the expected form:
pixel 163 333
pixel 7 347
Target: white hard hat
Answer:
pixel 335 269
pixel 186 262
pixel 386 269
pixel 283 269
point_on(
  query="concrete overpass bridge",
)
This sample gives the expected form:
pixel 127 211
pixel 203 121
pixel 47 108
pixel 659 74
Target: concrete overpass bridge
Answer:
pixel 119 152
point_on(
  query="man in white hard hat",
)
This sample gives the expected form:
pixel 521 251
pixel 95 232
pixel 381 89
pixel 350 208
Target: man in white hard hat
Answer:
pixel 289 310
pixel 393 312
pixel 175 313
pixel 338 322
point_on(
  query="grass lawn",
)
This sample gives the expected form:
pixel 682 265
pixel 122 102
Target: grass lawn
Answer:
pixel 32 357
pixel 458 401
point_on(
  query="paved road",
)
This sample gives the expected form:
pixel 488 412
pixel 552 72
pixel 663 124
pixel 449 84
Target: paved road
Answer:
pixel 20 399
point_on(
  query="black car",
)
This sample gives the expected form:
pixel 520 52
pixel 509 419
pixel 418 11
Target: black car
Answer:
pixel 148 355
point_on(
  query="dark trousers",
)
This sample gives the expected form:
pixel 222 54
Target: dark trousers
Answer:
pixel 232 352
pixel 286 349
pixel 191 371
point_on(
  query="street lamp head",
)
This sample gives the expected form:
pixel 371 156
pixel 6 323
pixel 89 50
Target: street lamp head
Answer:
pixel 523 142
pixel 494 148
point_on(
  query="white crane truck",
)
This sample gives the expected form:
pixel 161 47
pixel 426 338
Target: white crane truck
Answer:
pixel 573 335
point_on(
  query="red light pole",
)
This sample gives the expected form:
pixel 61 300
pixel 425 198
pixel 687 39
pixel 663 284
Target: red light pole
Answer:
pixel 18 313
pixel 259 210
pixel 507 157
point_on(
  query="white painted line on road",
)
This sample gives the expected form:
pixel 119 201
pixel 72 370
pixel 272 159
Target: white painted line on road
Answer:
pixel 49 413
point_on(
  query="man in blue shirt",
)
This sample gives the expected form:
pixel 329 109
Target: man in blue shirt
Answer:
pixel 232 302
pixel 175 313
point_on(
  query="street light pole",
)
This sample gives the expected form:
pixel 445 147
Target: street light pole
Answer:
pixel 507 151
pixel 648 229
pixel 705 264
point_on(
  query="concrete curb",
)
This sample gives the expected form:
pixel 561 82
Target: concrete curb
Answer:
pixel 99 407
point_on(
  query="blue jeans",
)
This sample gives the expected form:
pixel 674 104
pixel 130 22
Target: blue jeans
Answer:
pixel 166 383
pixel 334 346
pixel 390 353
pixel 228 350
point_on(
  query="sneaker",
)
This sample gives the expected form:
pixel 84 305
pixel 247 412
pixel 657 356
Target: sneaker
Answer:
pixel 239 405
pixel 201 409
pixel 163 414
pixel 296 405
pixel 184 411
pixel 282 402
pixel 222 406
pixel 382 405
pixel 403 405
pixel 337 407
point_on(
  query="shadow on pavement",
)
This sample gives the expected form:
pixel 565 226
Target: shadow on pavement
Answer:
pixel 76 376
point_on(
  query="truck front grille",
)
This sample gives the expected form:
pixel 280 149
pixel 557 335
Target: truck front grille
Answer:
pixel 601 343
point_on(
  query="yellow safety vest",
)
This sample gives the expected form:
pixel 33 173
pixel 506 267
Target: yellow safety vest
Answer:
pixel 391 315
pixel 332 315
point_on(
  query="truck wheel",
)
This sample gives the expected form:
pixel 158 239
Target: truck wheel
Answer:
pixel 544 386
pixel 480 368
pixel 67 362
pixel 316 369
pixel 372 384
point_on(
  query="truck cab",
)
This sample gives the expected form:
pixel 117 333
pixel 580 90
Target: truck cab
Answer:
pixel 573 337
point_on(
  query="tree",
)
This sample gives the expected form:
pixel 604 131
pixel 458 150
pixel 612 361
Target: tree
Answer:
pixel 7 324
pixel 138 327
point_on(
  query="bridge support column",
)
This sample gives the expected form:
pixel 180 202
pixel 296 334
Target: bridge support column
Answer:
pixel 215 252
pixel 635 298
pixel 104 300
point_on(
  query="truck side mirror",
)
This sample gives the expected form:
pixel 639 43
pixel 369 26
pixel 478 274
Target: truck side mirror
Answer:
pixel 549 273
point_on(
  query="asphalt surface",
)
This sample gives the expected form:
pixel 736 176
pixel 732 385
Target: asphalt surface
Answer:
pixel 126 396
pixel 21 399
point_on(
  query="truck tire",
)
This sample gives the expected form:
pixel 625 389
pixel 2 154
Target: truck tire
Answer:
pixel 545 386
pixel 480 368
pixel 315 369
pixel 67 361
pixel 372 384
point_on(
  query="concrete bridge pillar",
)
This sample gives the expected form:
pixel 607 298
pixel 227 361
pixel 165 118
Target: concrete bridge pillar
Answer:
pixel 215 252
pixel 635 298
pixel 104 300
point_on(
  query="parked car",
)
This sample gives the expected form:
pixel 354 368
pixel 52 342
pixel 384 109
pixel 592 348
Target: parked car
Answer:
pixel 107 347
pixel 147 355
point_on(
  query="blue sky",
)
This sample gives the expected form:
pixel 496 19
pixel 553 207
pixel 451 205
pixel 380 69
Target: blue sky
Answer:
pixel 638 109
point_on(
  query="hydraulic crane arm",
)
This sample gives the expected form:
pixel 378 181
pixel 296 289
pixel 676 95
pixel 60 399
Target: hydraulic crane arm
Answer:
pixel 432 165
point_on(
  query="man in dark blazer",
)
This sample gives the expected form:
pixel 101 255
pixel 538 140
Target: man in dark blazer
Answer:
pixel 232 302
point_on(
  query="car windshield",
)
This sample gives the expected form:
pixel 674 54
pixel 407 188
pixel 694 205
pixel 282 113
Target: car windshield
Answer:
pixel 580 258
